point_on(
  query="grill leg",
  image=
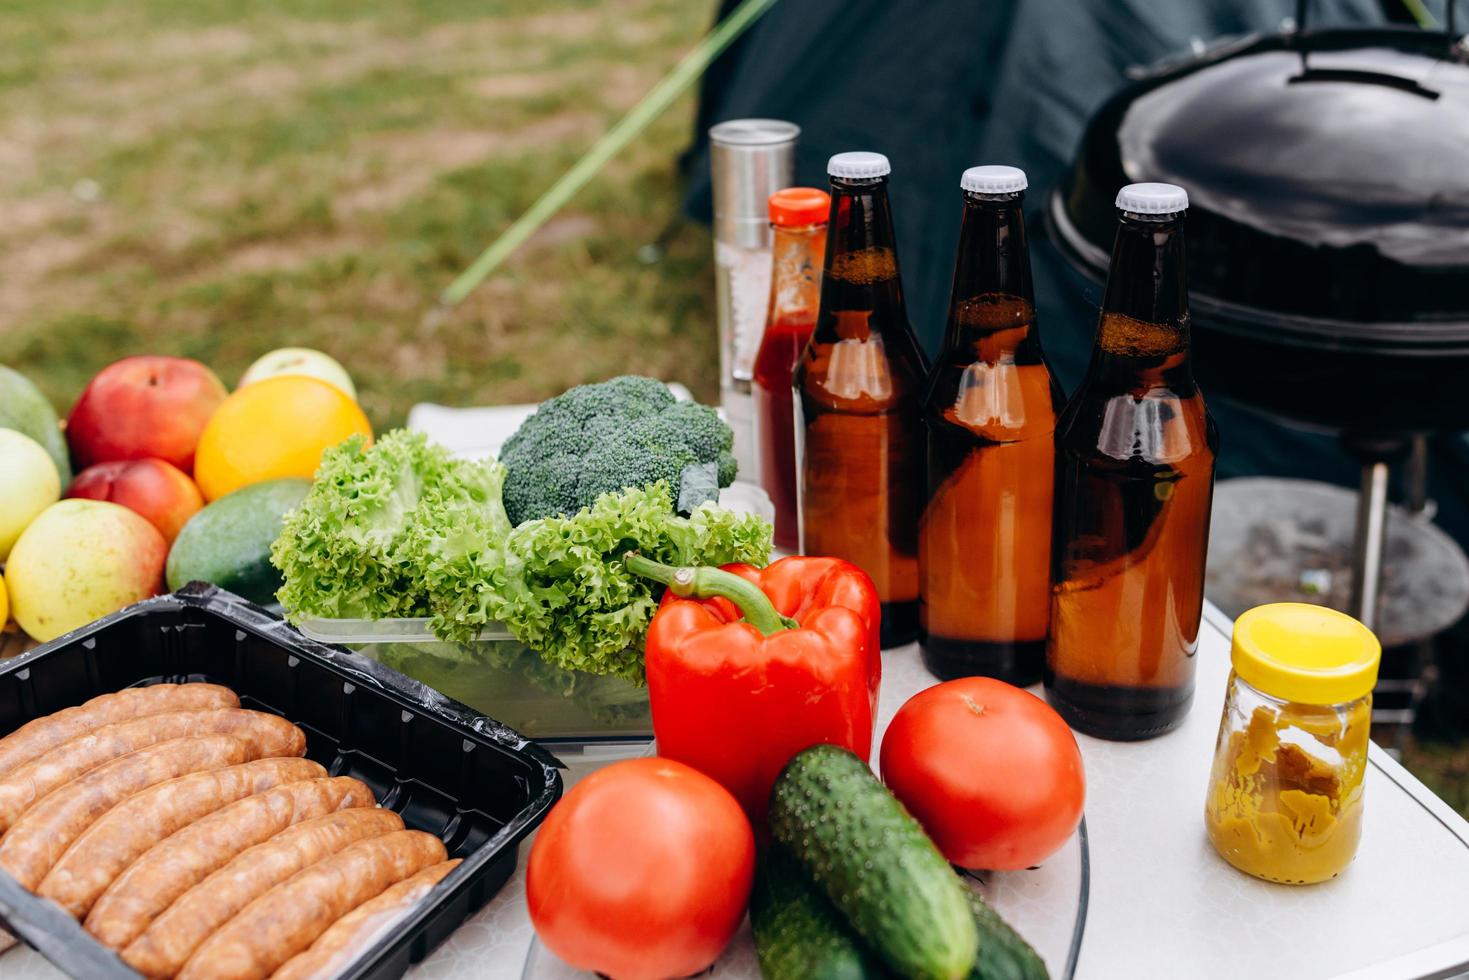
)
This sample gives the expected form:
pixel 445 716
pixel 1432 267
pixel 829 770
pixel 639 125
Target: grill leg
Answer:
pixel 1371 533
pixel 1415 480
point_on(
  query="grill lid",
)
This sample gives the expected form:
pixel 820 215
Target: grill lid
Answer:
pixel 1328 178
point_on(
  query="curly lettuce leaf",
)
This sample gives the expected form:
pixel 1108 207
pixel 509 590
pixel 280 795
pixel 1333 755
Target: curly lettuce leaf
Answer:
pixel 456 535
pixel 380 523
pixel 560 586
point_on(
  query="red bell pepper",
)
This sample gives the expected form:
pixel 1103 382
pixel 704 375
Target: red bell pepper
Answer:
pixel 746 667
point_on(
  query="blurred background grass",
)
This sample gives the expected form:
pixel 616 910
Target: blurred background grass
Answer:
pixel 213 180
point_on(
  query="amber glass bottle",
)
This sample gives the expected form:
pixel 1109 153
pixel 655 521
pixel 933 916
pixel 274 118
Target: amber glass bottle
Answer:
pixel 798 226
pixel 984 542
pixel 859 386
pixel 1135 452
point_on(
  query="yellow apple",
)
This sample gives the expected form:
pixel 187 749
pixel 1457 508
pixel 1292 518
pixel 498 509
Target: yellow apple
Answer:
pixel 80 560
pixel 29 484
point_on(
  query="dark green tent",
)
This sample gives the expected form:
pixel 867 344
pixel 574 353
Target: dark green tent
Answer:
pixel 940 85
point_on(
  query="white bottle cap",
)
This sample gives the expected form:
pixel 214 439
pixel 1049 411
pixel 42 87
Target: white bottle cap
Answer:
pixel 859 164
pixel 1152 199
pixel 993 179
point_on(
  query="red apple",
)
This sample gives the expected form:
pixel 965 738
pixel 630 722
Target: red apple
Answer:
pixel 157 490
pixel 144 407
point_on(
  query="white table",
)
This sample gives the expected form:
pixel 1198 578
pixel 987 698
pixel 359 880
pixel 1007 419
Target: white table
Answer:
pixel 1161 903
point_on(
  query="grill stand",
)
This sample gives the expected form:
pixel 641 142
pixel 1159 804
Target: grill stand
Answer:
pixel 1367 548
pixel 1377 456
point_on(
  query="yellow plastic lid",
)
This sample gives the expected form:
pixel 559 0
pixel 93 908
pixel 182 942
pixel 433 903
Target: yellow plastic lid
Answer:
pixel 1303 653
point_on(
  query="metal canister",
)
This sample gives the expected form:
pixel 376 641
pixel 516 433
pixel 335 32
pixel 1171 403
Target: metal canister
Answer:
pixel 751 159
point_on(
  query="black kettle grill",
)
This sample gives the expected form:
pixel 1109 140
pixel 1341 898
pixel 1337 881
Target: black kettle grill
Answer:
pixel 1328 178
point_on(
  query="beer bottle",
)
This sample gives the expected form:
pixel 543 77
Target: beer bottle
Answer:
pixel 1135 454
pixel 858 390
pixel 798 222
pixel 984 541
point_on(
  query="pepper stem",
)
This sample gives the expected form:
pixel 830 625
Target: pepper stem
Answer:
pixel 700 582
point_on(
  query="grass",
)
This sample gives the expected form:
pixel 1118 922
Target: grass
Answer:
pixel 1443 767
pixel 214 180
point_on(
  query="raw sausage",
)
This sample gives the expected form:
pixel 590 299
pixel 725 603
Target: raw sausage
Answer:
pixel 286 919
pixel 122 834
pixel 35 738
pixel 180 862
pixel 267 735
pixel 47 829
pixel 361 927
pixel 173 937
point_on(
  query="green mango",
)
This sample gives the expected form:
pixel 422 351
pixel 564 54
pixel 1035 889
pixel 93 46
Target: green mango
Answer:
pixel 24 409
pixel 228 542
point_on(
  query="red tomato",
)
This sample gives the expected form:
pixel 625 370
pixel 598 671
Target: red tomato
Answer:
pixel 641 872
pixel 991 771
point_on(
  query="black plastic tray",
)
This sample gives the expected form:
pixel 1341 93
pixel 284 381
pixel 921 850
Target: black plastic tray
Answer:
pixel 445 768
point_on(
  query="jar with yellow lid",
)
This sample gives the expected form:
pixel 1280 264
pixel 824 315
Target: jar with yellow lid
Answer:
pixel 1285 797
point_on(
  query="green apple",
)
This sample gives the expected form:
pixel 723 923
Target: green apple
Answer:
pixel 29 484
pixel 300 360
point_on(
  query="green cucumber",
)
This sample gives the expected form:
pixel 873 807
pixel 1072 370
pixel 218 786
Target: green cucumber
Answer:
pixel 228 542
pixel 1003 955
pixel 798 935
pixel 875 864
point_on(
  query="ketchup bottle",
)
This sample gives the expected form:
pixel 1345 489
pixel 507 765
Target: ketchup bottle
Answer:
pixel 798 224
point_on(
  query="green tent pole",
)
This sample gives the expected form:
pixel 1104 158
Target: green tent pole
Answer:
pixel 662 95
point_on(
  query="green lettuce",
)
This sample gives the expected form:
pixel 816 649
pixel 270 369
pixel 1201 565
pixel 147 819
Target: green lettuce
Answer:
pixel 379 523
pixel 403 529
pixel 559 584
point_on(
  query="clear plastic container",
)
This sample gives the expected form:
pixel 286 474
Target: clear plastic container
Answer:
pixel 501 677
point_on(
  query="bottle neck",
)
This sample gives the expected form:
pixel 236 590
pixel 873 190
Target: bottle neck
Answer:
pixel 1144 328
pixel 861 288
pixel 795 283
pixel 992 303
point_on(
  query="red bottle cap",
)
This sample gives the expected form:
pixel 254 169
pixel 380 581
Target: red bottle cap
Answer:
pixel 796 206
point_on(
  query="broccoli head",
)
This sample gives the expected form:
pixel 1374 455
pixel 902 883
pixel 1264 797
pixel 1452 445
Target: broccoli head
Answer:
pixel 603 438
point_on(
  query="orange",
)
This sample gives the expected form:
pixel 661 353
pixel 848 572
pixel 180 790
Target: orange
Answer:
pixel 273 429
